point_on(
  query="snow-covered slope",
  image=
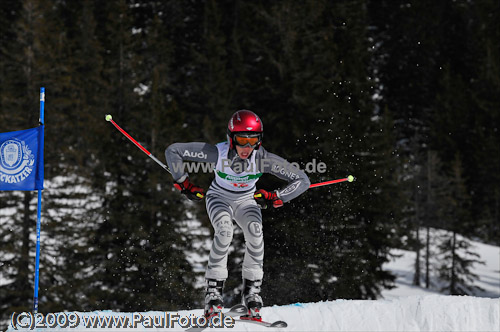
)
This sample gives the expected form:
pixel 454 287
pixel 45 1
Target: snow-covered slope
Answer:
pixel 403 268
pixel 414 313
pixel 404 308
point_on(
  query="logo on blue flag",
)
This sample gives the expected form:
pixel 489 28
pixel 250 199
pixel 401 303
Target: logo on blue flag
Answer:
pixel 21 159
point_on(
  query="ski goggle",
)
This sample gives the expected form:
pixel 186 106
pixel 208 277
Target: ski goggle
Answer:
pixel 245 140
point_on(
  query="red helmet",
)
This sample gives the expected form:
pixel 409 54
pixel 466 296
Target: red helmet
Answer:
pixel 246 124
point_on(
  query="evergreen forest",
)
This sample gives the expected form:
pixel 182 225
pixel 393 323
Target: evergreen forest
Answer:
pixel 404 95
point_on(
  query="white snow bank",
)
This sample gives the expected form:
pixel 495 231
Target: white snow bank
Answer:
pixel 414 313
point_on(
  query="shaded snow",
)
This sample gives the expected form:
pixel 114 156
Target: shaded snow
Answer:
pixel 403 268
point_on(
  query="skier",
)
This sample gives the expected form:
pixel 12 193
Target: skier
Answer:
pixel 239 162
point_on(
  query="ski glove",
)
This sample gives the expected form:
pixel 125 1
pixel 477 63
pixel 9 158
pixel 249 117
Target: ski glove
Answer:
pixel 267 199
pixel 191 191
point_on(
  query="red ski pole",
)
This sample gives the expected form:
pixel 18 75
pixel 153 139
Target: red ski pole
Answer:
pixel 350 178
pixel 109 118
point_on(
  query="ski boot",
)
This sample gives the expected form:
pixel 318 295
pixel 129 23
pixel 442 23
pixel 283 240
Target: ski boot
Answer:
pixel 252 299
pixel 213 297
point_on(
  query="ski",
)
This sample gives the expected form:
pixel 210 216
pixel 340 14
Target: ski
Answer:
pixel 246 319
pixel 234 312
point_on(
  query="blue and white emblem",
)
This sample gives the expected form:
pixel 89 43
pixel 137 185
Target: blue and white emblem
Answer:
pixel 16 161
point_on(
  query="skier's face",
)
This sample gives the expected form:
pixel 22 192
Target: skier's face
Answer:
pixel 244 151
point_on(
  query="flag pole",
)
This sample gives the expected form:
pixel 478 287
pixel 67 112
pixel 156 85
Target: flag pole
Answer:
pixel 39 212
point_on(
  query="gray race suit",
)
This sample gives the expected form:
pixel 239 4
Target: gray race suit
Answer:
pixel 230 197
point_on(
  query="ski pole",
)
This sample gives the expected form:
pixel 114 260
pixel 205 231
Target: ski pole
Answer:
pixel 109 118
pixel 350 178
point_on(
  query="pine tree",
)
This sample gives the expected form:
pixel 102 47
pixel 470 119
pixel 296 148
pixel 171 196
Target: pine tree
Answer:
pixel 484 151
pixel 166 123
pixel 408 63
pixel 458 257
pixel 465 105
pixel 8 13
pixel 434 188
pixel 429 186
pixel 325 239
pixel 30 54
pixel 138 242
pixel 71 203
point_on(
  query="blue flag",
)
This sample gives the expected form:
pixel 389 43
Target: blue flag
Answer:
pixel 21 159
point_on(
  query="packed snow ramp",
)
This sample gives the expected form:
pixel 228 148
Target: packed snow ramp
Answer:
pixel 414 313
